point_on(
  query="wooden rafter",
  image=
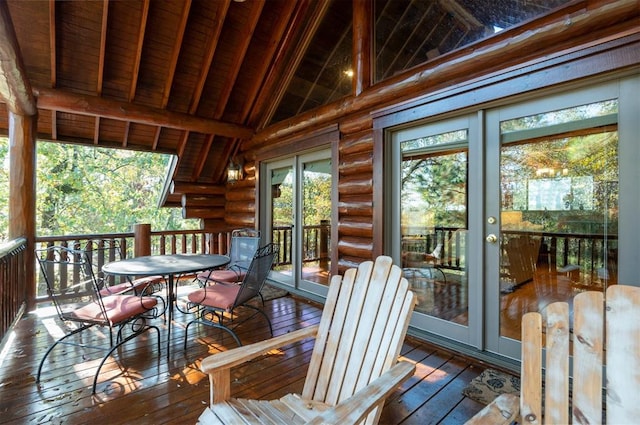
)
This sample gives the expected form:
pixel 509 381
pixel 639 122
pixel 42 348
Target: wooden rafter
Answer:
pixel 221 13
pixel 261 73
pixel 223 99
pixel 15 88
pixel 92 105
pixel 175 53
pixel 103 46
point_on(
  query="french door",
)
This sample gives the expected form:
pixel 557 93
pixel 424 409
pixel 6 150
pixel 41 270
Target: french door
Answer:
pixel 505 210
pixel 561 203
pixel 297 217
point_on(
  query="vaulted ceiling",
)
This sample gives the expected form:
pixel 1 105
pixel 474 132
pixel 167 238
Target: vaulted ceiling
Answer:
pixel 194 78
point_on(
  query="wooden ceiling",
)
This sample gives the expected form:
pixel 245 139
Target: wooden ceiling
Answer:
pixel 194 78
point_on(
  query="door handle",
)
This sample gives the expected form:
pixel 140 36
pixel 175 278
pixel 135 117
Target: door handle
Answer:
pixel 492 238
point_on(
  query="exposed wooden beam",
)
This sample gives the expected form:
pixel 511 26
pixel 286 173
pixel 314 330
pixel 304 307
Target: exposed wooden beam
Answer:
pixel 136 63
pixel 362 34
pixel 101 56
pixel 15 88
pixel 65 101
pixel 52 42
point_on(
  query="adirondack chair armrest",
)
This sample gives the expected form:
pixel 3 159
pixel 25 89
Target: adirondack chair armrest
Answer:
pixel 218 366
pixel 355 408
pixel 504 409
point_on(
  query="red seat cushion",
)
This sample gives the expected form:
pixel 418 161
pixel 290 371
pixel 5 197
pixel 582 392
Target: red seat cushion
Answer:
pixel 223 276
pixel 118 308
pixel 218 296
pixel 137 285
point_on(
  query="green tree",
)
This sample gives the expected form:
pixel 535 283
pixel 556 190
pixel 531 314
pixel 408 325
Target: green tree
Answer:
pixel 83 190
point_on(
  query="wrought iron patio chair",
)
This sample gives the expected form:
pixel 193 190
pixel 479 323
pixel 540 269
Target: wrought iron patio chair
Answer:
pixel 76 294
pixel 244 244
pixel 354 365
pixel 105 251
pixel 211 302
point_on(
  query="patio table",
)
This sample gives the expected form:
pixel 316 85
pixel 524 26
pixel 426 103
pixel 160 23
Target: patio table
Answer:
pixel 169 266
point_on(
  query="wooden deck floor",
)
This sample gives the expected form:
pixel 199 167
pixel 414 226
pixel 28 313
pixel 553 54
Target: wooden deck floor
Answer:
pixel 141 387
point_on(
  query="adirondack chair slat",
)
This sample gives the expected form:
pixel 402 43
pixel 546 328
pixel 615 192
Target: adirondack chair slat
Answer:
pixel 531 375
pixel 588 343
pixel 556 395
pixel 623 355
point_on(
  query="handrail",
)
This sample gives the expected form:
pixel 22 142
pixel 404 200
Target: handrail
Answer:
pixel 12 289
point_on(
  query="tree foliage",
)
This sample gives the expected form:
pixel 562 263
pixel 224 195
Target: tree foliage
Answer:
pixel 82 190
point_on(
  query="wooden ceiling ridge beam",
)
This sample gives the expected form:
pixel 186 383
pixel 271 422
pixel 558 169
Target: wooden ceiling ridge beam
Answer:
pixel 66 101
pixel 15 88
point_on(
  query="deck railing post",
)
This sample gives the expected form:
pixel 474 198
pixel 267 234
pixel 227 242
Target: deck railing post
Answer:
pixel 142 240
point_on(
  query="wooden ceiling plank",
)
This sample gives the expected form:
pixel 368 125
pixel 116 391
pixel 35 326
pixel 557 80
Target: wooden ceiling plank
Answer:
pixel 52 41
pixel 15 88
pixel 175 54
pixel 136 63
pixel 202 158
pixel 65 101
pixel 262 70
pixel 223 8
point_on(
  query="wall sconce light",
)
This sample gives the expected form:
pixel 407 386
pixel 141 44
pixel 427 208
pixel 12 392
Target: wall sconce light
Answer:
pixel 234 171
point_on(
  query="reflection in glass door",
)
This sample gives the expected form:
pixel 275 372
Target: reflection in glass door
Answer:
pixel 316 220
pixel 558 229
pixel 281 218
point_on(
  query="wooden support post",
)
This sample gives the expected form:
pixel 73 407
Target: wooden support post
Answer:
pixel 142 240
pixel 22 192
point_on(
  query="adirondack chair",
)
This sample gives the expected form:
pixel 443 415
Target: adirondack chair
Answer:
pixel 585 404
pixel 354 363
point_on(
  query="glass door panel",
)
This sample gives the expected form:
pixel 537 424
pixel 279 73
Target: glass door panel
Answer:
pixel 282 218
pixel 316 221
pixel 558 208
pixel 433 222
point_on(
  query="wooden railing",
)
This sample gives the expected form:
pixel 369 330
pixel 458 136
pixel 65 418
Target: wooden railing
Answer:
pixel 12 287
pixel 161 242
pixel 315 243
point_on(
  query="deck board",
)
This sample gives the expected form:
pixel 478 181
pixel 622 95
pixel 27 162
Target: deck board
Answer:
pixel 139 386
